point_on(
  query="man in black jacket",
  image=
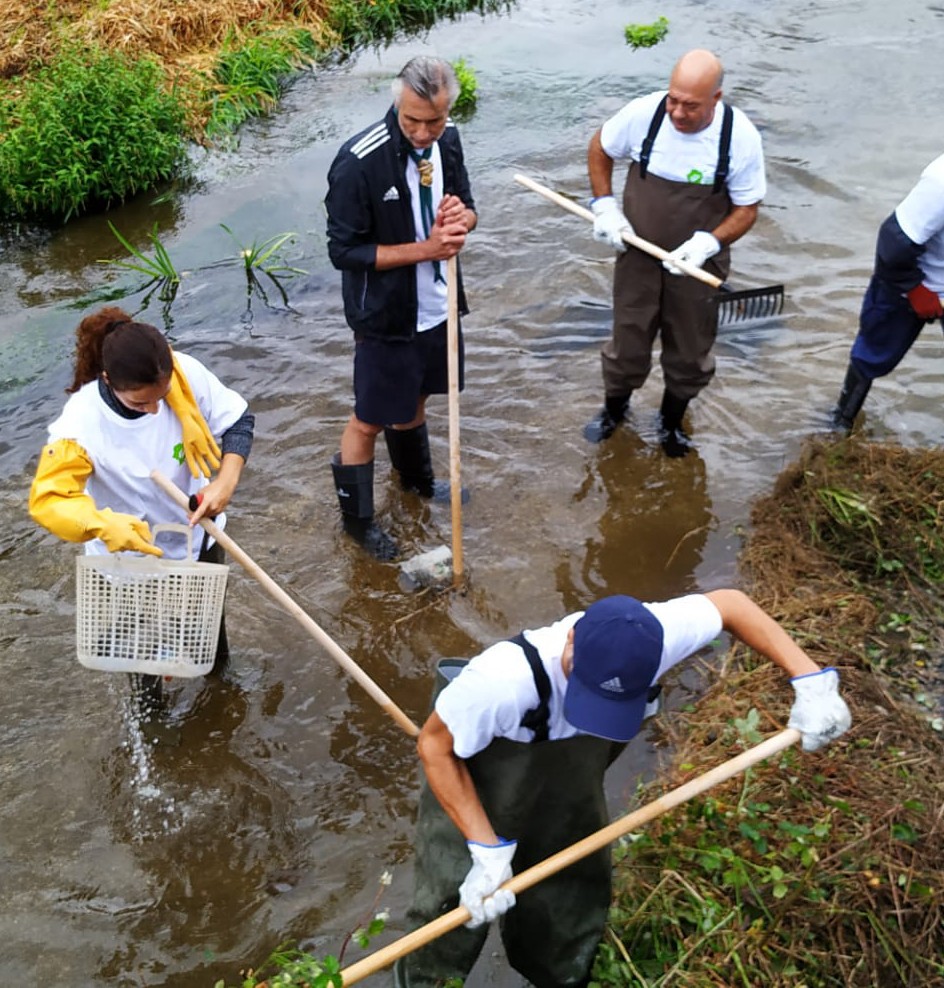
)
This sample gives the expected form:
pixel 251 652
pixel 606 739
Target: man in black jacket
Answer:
pixel 399 206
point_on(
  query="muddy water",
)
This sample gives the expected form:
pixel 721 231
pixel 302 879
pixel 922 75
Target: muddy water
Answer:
pixel 267 806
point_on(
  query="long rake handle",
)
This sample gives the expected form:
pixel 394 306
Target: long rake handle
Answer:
pixel 557 862
pixel 630 238
pixel 455 479
pixel 282 598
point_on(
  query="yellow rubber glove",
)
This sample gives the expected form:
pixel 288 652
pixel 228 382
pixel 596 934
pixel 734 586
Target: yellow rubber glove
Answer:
pixel 200 448
pixel 59 503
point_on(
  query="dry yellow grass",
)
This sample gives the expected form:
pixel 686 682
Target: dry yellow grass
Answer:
pixel 183 35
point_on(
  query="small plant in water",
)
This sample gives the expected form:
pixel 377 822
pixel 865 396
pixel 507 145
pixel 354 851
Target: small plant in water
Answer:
pixel 293 968
pixel 646 35
pixel 464 105
pixel 159 268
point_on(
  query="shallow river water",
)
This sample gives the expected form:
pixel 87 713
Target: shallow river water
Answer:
pixel 273 801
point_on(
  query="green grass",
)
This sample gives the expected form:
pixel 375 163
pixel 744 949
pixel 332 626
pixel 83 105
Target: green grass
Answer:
pixel 87 131
pixel 250 79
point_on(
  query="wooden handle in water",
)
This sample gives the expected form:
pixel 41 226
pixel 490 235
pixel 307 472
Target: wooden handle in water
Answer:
pixel 283 599
pixel 549 866
pixel 455 474
pixel 630 238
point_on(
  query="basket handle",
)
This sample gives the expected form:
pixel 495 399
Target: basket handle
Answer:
pixel 171 526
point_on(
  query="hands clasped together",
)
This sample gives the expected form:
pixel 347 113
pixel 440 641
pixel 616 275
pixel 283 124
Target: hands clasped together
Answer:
pixel 447 236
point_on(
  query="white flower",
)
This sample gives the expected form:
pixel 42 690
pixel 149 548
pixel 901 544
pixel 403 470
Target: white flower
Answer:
pixel 386 878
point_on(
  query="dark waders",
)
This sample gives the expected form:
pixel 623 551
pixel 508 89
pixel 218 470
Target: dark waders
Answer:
pixel 547 795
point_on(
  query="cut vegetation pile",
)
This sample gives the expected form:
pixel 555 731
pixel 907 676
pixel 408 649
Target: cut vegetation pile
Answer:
pixel 822 869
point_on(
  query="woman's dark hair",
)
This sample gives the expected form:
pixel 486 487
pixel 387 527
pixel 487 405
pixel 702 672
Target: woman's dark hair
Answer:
pixel 132 354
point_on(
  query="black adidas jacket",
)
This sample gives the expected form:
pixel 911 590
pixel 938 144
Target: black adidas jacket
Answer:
pixel 368 203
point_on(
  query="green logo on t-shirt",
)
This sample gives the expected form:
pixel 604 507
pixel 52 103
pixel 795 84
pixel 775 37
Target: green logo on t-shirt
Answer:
pixel 695 177
pixel 178 453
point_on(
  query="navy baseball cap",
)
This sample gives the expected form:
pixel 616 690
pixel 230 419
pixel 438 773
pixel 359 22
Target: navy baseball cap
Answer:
pixel 617 650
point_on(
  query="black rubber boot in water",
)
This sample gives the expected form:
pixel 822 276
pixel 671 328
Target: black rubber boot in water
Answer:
pixel 675 440
pixel 355 488
pixel 855 388
pixel 604 423
pixel 410 457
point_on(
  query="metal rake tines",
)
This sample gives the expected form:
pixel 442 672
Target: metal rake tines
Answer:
pixel 749 304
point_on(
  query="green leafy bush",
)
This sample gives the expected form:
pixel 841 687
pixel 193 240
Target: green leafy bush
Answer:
pixel 90 129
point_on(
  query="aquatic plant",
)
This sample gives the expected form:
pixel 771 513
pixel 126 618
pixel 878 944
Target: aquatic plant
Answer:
pixel 92 128
pixel 646 35
pixel 293 968
pixel 464 105
pixel 159 269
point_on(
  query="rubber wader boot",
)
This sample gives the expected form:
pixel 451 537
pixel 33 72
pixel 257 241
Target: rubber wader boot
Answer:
pixel 355 487
pixel 604 423
pixel 675 441
pixel 851 398
pixel 410 457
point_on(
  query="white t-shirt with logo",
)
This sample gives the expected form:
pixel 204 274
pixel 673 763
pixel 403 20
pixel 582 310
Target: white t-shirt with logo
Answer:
pixel 496 689
pixel 125 451
pixel 921 217
pixel 690 158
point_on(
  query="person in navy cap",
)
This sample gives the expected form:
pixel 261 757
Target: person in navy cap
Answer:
pixel 515 753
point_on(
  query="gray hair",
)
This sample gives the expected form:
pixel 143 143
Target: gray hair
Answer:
pixel 426 76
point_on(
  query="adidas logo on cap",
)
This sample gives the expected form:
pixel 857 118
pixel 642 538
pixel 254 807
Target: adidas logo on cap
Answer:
pixel 613 685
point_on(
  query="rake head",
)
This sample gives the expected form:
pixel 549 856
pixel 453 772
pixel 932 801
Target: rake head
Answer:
pixel 748 304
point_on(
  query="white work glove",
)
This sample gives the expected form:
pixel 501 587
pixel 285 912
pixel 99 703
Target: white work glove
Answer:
pixel 479 893
pixel 695 251
pixel 819 713
pixel 609 223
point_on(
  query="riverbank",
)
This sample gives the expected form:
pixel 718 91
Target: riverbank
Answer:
pixel 819 869
pixel 118 89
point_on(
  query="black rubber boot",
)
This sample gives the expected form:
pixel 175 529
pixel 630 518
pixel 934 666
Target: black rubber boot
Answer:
pixel 604 423
pixel 851 398
pixel 355 487
pixel 410 457
pixel 675 440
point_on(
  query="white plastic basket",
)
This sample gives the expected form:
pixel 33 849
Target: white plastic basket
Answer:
pixel 149 615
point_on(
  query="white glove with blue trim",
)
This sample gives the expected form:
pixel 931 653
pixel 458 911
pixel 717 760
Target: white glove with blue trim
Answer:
pixel 819 713
pixel 609 223
pixel 479 893
pixel 695 251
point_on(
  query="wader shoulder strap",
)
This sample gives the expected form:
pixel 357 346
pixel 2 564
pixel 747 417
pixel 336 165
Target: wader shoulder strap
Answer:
pixel 536 719
pixel 724 144
pixel 650 138
pixel 724 149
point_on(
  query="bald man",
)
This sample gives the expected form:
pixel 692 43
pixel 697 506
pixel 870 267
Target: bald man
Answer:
pixel 696 179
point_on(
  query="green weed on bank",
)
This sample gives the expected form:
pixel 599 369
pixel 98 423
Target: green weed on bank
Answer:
pixel 91 129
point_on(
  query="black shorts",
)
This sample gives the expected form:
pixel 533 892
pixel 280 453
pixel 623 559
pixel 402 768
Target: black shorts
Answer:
pixel 390 377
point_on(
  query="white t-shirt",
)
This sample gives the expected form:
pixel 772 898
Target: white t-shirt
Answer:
pixel 921 217
pixel 690 158
pixel 496 689
pixel 431 300
pixel 125 451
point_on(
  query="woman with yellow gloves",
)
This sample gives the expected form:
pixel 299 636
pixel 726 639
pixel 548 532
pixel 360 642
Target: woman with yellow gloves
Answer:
pixel 136 406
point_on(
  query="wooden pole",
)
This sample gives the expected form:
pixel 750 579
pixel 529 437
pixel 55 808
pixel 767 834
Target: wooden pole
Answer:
pixel 550 866
pixel 455 474
pixel 630 238
pixel 285 601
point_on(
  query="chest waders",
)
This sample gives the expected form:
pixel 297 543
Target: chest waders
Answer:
pixel 647 299
pixel 547 795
